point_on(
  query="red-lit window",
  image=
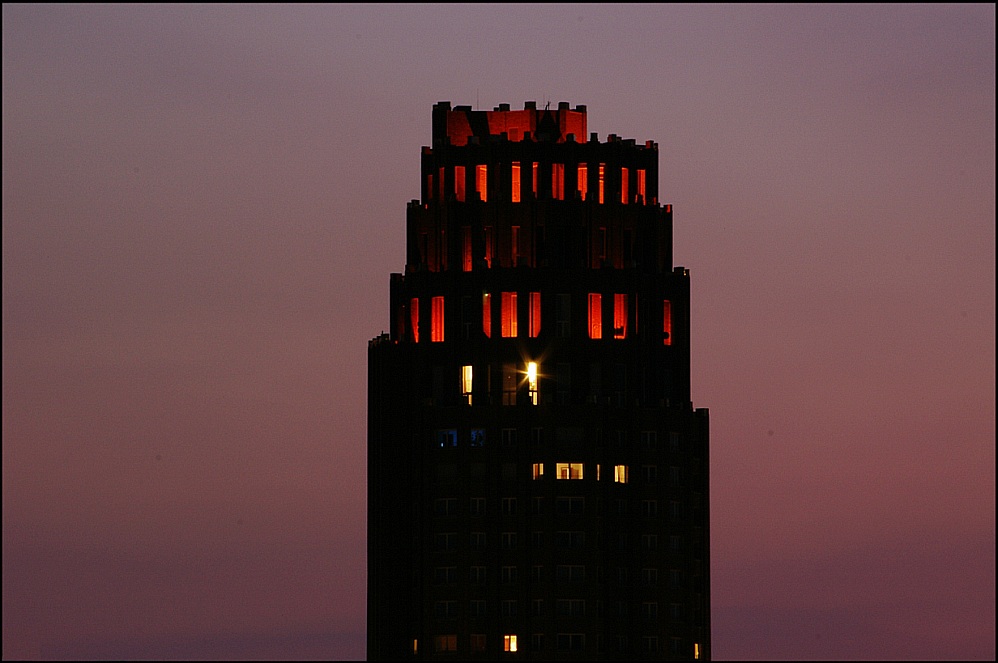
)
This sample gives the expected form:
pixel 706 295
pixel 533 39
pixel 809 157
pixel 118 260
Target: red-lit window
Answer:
pixel 595 315
pixel 466 248
pixel 536 167
pixel 516 182
pixel 482 181
pixel 437 319
pixel 666 322
pixel 459 183
pixel 535 314
pixel 641 186
pixel 414 318
pixel 487 314
pixel 583 181
pixel 602 176
pixel 623 185
pixel 558 181
pixel 509 314
pixel 620 316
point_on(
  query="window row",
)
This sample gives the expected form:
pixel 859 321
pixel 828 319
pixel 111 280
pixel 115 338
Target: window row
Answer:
pixel 564 506
pixel 623 315
pixel 535 179
pixel 649 644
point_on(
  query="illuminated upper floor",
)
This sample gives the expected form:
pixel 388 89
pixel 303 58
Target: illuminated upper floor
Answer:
pixel 518 156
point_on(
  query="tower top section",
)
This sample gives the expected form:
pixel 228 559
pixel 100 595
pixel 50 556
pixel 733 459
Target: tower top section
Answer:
pixel 460 125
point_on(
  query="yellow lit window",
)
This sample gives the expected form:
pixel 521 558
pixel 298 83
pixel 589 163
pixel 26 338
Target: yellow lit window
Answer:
pixel 595 315
pixel 509 643
pixel 516 182
pixel 535 314
pixel 437 320
pixel 466 383
pixel 568 470
pixel 532 382
pixel 696 651
pixel 538 470
pixel 620 473
pixel 509 315
pixel 620 316
pixel 415 646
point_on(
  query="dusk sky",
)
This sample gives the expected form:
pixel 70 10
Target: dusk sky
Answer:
pixel 201 209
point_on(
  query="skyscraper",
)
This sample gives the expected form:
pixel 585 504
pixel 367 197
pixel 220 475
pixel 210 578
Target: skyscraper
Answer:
pixel 537 474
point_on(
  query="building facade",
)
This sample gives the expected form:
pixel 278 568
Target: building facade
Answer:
pixel 537 474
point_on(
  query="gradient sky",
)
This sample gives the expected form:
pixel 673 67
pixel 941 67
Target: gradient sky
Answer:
pixel 201 209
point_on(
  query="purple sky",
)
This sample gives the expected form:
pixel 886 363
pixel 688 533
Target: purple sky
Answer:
pixel 202 207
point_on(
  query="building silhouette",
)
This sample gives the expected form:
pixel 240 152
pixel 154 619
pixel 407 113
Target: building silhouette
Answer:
pixel 537 474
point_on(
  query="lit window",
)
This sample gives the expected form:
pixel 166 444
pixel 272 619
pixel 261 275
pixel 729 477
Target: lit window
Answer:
pixel 437 320
pixel 509 315
pixel 583 182
pixel 509 642
pixel 641 185
pixel 538 470
pixel 466 373
pixel 568 470
pixel 536 165
pixel 595 315
pixel 532 382
pixel 459 183
pixel 558 181
pixel 666 322
pixel 620 473
pixel 414 318
pixel 482 181
pixel 466 248
pixel 535 314
pixel 477 437
pixel 623 185
pixel 602 174
pixel 415 646
pixel 487 314
pixel 696 651
pixel 516 182
pixel 620 316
